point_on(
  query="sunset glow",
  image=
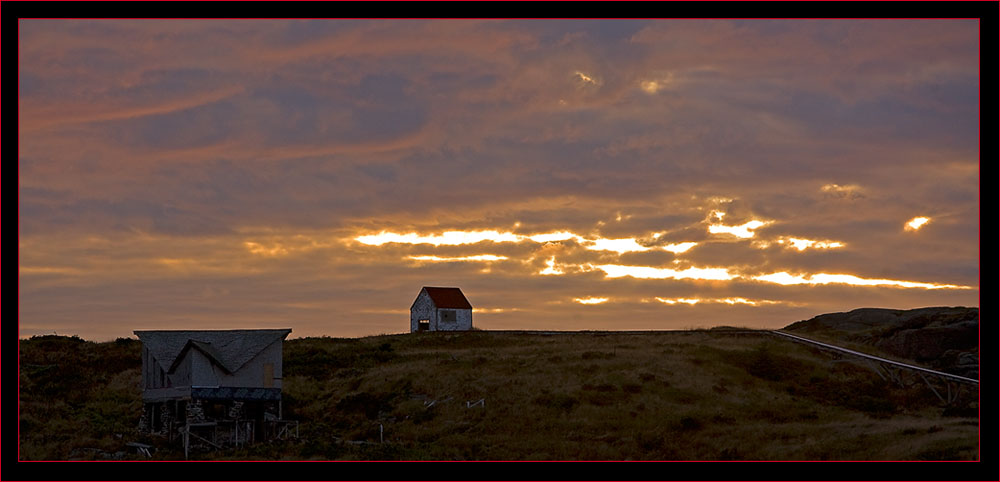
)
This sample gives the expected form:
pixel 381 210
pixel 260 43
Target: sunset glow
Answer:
pixel 823 278
pixel 744 230
pixel 617 245
pixel 478 257
pixel 679 247
pixel 586 78
pixel 802 244
pixel 647 272
pixel 551 237
pixel 551 267
pixel 917 223
pixel 728 301
pixel 256 248
pixel 447 238
pixel 847 191
pixel 316 173
pixel 674 301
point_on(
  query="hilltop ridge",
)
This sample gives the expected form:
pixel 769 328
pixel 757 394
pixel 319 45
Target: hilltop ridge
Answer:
pixel 943 338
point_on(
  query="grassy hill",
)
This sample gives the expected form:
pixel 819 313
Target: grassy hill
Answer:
pixel 697 395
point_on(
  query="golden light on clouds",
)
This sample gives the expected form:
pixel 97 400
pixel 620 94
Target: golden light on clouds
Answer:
pixel 916 223
pixel 785 278
pixel 451 238
pixel 648 272
pixel 803 244
pixel 679 248
pixel 625 245
pixel 551 267
pixel 586 78
pixel 259 249
pixel 728 301
pixel 744 230
pixel 744 301
pixel 650 86
pixel 556 236
pixel 590 301
pixel 629 245
pixel 674 301
pixel 495 310
pixel 478 257
pixel 836 190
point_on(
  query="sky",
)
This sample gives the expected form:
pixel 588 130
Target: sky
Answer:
pixel 565 174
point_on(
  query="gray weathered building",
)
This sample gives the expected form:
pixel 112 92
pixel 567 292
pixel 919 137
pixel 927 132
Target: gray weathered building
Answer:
pixel 208 378
pixel 440 309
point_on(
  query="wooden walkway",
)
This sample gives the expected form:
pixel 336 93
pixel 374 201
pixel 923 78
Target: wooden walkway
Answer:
pixel 896 364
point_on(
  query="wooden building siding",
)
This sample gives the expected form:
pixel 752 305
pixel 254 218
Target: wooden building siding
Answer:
pixel 198 368
pixel 423 309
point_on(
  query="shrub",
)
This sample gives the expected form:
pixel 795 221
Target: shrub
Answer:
pixel 631 388
pixel 763 365
pixel 688 423
pixel 558 401
pixel 368 403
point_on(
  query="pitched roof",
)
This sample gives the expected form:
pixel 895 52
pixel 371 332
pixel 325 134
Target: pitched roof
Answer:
pixel 207 349
pixel 448 298
pixel 231 349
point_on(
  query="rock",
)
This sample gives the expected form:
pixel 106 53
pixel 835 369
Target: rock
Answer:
pixel 930 343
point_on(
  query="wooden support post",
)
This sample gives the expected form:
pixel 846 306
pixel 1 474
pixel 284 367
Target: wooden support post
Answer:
pixel 932 388
pixel 875 368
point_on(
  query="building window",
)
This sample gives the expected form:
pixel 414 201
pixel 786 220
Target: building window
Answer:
pixel 448 316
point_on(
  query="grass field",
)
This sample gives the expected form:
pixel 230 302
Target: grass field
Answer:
pixel 694 395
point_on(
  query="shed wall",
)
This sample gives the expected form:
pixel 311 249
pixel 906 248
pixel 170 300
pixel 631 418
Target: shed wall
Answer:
pixel 153 375
pixel 423 309
pixel 463 320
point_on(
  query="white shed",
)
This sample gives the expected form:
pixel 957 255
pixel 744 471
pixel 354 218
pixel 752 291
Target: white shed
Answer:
pixel 440 309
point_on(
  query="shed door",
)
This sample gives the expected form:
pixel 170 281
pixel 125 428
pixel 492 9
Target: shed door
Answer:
pixel 268 375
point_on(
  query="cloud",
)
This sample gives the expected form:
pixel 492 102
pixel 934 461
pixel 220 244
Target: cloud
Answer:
pixel 183 172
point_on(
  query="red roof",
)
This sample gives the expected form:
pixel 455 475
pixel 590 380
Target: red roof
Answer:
pixel 448 298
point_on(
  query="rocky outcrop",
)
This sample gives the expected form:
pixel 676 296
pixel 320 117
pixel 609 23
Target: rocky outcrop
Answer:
pixel 944 338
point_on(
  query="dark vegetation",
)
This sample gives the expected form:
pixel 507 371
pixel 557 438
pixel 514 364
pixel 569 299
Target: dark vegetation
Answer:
pixel 702 395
